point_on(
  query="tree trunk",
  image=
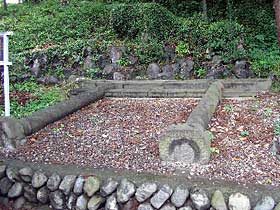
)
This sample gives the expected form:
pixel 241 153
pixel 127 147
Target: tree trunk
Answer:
pixel 204 8
pixel 5 5
pixel 277 18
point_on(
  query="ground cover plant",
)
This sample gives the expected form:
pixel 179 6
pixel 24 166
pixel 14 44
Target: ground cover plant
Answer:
pixel 29 97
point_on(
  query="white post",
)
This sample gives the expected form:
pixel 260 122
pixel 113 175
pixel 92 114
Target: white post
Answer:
pixel 6 63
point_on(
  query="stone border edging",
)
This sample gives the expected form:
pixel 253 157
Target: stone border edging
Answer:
pixel 189 142
pixel 11 174
pixel 13 131
pixel 178 89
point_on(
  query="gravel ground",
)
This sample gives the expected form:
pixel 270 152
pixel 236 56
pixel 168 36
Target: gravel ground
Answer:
pixel 244 132
pixel 114 133
pixel 123 134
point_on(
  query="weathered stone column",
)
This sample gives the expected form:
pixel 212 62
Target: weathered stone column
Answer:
pixel 189 142
pixel 13 131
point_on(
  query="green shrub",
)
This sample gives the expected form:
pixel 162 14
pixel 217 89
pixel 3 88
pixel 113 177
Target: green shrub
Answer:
pixel 42 97
pixel 182 49
pixel 141 20
pixel 50 23
pixel 193 32
pixel 149 51
pixel 264 62
pixel 224 38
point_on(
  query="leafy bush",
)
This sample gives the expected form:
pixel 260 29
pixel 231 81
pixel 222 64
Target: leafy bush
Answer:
pixel 137 20
pixel 264 62
pixel 193 32
pixel 149 51
pixel 224 38
pixel 40 97
pixel 177 7
pixel 52 24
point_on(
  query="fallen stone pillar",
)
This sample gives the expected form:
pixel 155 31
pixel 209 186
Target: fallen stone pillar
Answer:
pixel 13 131
pixel 189 142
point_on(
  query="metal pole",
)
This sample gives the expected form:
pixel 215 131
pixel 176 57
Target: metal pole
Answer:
pixel 5 63
pixel 6 77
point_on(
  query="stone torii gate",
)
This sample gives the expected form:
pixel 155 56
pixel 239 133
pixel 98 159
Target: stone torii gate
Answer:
pixel 4 63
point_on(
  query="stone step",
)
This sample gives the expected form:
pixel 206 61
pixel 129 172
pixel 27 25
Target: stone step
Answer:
pixel 173 93
pixel 234 84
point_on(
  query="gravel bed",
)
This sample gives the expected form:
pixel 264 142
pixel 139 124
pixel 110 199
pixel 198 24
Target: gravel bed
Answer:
pixel 244 132
pixel 111 133
pixel 124 133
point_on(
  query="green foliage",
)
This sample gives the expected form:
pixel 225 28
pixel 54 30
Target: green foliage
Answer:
pixel 42 98
pixel 93 73
pixel 244 133
pixel 276 86
pixel 143 20
pixel 265 61
pixel 52 24
pixel 267 112
pixel 149 51
pixel 224 38
pixel 201 72
pixel 123 62
pixel 193 31
pixel 211 136
pixel 214 151
pixel 182 49
pixel 277 128
pixel 145 26
pixel 229 108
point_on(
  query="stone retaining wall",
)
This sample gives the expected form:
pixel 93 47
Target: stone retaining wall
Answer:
pixel 89 192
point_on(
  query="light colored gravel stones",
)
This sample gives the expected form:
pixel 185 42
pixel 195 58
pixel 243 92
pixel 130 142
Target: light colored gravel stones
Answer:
pixel 180 195
pixel 91 135
pixel 67 184
pixel 218 201
pixel 39 179
pixel 43 195
pixel 145 191
pixel 57 200
pixel 168 207
pixel 79 184
pixel 81 203
pixel 266 203
pixel 109 187
pixel 95 202
pixel 111 203
pixel 26 174
pixel 125 191
pixel 16 190
pixel 145 206
pixel 161 196
pixel 54 182
pixel 239 201
pixel 199 199
pixel 91 186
